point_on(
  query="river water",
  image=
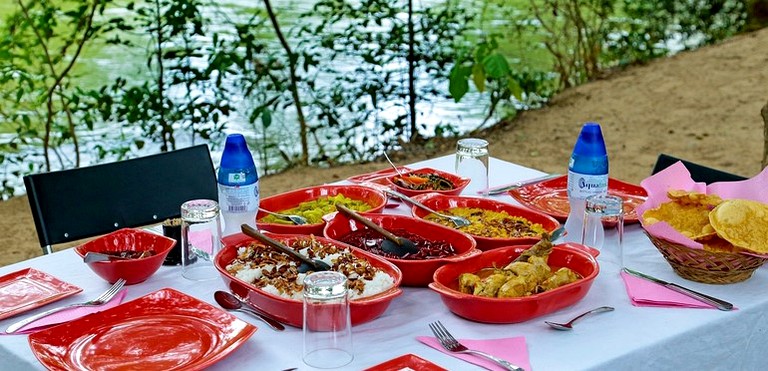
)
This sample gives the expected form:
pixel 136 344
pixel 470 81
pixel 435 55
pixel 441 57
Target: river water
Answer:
pixel 102 64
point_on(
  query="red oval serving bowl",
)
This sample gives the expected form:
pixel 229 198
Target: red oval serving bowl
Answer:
pixel 291 199
pixel 415 272
pixel 459 183
pixel 290 311
pixel 579 258
pixel 440 203
pixel 128 239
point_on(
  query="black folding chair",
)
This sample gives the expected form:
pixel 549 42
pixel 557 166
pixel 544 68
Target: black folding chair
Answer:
pixel 74 204
pixel 699 173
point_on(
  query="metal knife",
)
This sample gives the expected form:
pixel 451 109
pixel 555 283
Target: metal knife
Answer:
pixel 717 303
pixel 497 191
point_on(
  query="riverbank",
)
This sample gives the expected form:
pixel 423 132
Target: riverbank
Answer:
pixel 703 106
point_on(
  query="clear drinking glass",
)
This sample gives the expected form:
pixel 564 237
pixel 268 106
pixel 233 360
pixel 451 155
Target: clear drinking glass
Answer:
pixel 603 212
pixel 327 327
pixel 200 239
pixel 472 162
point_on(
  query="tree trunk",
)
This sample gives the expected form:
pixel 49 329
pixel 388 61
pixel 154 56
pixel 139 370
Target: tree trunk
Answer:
pixel 764 113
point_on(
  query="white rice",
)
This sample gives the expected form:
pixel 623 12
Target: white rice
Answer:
pixel 250 271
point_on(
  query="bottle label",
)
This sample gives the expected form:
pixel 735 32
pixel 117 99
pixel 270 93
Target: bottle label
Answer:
pixel 581 186
pixel 236 178
pixel 239 199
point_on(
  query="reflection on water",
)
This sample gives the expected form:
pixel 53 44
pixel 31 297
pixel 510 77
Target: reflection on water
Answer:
pixel 102 64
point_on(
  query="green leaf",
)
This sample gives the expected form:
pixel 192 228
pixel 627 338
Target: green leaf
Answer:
pixel 458 84
pixel 266 118
pixel 478 77
pixel 515 88
pixel 496 66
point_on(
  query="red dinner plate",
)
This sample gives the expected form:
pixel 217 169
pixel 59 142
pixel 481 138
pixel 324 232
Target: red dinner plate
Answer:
pixel 405 362
pixel 28 288
pixel 551 197
pixel 164 330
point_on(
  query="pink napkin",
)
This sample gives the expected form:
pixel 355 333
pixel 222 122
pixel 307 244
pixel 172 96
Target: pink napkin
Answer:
pixel 648 294
pixel 677 176
pixel 202 240
pixel 68 315
pixel 511 349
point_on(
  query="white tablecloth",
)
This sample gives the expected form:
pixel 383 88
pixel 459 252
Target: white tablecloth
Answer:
pixel 628 338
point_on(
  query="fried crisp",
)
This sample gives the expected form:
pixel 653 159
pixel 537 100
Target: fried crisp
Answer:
pixel 687 212
pixel 744 223
pixel 716 244
pixel 694 198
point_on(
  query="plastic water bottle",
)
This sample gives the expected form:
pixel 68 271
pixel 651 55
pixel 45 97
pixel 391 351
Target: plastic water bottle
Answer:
pixel 587 176
pixel 238 185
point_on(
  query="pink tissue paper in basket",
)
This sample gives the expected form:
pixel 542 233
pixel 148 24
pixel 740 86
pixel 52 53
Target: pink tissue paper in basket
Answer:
pixel 677 176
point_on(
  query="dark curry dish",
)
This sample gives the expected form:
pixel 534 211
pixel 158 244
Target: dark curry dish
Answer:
pixel 423 182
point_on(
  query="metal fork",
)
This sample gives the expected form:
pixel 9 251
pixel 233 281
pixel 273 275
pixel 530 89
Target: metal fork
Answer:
pixel 101 300
pixel 452 345
pixel 295 219
pixel 457 220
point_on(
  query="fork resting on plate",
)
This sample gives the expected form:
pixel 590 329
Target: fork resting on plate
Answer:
pixel 452 345
pixel 101 300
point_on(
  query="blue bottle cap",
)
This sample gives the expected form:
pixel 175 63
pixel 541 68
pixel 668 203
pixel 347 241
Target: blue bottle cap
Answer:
pixel 590 142
pixel 236 154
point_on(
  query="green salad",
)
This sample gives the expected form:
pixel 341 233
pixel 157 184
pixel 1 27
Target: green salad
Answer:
pixel 314 210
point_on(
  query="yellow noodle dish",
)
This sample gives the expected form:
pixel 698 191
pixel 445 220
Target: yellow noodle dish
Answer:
pixel 492 224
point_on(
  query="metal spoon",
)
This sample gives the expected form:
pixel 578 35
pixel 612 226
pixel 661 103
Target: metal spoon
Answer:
pixel 232 302
pixel 457 220
pixel 307 264
pixel 392 244
pixel 295 219
pixel 91 257
pixel 569 325
pixel 393 165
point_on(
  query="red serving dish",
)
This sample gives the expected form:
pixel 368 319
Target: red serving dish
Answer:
pixel 290 311
pixel 579 258
pixel 459 183
pixel 128 239
pixel 441 203
pixel 415 272
pixel 291 199
pixel 551 197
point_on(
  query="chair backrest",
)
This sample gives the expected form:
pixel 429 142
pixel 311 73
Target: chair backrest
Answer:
pixel 699 173
pixel 73 204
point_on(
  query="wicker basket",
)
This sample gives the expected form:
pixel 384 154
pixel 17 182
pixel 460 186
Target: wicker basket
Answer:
pixel 706 266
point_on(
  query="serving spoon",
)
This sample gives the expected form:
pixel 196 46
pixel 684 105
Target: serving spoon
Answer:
pixel 391 244
pixel 232 302
pixel 307 264
pixel 457 220
pixel 295 219
pixel 91 257
pixel 393 165
pixel 569 325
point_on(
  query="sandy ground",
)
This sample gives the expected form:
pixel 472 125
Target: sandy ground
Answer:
pixel 703 106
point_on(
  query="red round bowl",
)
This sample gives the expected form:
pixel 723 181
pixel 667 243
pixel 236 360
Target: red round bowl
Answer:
pixel 128 239
pixel 290 311
pixel 579 258
pixel 415 272
pixel 440 202
pixel 291 199
pixel 459 183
